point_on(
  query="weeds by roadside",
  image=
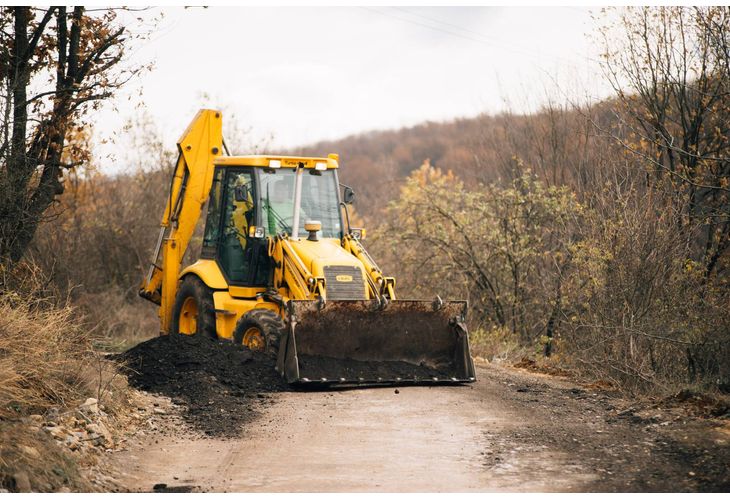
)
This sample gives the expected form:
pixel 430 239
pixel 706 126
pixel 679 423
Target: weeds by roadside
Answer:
pixel 48 367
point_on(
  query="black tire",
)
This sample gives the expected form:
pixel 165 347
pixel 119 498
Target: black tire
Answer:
pixel 271 325
pixel 193 287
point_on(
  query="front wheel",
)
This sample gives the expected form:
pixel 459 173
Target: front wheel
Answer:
pixel 193 312
pixel 260 330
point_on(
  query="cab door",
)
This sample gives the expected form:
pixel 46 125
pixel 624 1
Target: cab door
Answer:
pixel 242 257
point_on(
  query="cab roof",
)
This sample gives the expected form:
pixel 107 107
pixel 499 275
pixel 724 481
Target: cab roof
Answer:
pixel 331 161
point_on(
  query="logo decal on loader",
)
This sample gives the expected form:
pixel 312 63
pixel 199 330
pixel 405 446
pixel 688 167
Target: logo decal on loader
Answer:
pixel 344 278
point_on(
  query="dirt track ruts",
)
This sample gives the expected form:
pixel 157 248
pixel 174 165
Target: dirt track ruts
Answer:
pixel 511 431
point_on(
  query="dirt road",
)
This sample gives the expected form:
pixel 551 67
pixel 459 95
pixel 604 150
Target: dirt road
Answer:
pixel 511 431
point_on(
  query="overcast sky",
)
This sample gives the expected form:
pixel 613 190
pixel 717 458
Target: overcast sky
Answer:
pixel 307 74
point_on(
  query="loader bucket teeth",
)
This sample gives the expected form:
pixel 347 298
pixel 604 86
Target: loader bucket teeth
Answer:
pixel 354 343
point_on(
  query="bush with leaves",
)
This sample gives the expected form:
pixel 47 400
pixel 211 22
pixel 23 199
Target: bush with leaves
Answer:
pixel 506 248
pixel 637 311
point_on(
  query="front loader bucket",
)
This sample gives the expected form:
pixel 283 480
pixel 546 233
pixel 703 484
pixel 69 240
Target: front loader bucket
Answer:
pixel 357 343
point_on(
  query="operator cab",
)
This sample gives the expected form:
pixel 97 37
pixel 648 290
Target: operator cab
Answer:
pixel 254 197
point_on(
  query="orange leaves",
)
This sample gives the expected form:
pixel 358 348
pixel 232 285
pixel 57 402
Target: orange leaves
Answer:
pixel 427 174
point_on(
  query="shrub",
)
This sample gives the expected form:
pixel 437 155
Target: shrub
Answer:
pixel 505 248
pixel 46 355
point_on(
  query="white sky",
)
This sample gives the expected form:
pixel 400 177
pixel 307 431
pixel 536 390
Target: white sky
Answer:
pixel 307 74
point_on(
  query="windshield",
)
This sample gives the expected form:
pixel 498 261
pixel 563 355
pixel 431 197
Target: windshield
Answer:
pixel 319 201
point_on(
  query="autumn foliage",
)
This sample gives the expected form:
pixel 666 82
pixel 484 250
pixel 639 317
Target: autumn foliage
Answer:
pixel 595 235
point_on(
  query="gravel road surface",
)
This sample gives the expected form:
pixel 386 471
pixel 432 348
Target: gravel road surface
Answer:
pixel 510 431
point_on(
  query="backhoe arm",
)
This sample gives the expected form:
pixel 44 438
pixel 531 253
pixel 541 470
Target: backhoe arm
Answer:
pixel 189 189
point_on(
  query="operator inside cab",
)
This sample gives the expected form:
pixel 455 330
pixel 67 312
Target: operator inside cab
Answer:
pixel 238 216
pixel 242 215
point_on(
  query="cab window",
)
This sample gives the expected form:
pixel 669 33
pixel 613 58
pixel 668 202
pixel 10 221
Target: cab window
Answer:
pixel 212 221
pixel 235 253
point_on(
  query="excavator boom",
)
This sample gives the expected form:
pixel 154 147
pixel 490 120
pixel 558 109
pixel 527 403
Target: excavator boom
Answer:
pixel 198 146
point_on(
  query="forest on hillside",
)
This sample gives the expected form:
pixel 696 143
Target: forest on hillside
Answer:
pixel 594 235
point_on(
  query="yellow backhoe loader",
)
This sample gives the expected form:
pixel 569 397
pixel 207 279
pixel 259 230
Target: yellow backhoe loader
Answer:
pixel 282 271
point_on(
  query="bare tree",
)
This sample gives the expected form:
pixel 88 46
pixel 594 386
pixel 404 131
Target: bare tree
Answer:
pixel 669 68
pixel 56 66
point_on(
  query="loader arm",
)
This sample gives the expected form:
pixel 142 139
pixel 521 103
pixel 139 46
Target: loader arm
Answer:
pixel 199 145
pixel 290 271
pixel 381 286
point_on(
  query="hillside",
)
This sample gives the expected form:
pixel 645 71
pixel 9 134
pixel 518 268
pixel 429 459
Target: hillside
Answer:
pixel 552 142
pixel 375 162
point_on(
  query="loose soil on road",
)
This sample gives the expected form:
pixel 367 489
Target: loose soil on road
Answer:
pixel 237 427
pixel 215 381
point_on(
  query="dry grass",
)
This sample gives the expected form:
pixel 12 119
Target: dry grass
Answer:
pixel 542 366
pixel 119 323
pixel 496 345
pixel 46 358
pixel 49 348
pixel 48 365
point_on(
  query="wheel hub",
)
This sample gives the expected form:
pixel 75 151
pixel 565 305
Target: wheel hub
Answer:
pixel 253 338
pixel 188 321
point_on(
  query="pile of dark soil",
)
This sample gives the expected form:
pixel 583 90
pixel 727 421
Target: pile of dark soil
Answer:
pixel 318 367
pixel 219 383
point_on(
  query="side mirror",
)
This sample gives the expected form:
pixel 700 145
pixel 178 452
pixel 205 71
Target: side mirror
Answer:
pixel 241 193
pixel 349 196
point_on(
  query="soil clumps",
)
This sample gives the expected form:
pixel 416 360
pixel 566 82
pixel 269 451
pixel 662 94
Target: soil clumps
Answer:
pixel 220 384
pixel 318 367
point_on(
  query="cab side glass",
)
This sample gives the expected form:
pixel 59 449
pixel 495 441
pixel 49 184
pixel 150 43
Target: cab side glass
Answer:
pixel 234 252
pixel 212 222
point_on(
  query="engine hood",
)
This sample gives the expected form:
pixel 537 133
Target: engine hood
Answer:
pixel 344 273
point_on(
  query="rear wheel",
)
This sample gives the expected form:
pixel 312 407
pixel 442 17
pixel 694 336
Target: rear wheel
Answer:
pixel 193 312
pixel 260 330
